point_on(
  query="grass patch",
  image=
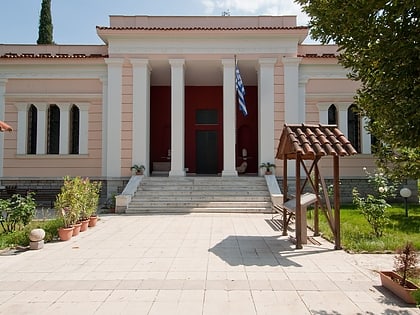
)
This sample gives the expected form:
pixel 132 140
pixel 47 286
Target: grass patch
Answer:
pixel 357 235
pixel 21 237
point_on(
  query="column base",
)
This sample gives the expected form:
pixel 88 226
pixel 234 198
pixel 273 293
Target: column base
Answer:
pixel 176 173
pixel 229 173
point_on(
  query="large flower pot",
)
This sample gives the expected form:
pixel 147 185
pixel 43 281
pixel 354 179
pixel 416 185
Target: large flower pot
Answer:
pixel 76 229
pixel 85 224
pixel 391 281
pixel 92 221
pixel 65 233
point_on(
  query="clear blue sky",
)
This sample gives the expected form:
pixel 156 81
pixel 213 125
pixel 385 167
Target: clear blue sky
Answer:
pixel 75 21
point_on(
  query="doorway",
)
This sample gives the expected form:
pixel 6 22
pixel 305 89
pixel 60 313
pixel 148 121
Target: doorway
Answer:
pixel 206 152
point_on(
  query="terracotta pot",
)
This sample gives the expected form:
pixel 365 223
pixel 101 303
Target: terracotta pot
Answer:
pixel 65 233
pixel 85 224
pixel 391 281
pixel 92 221
pixel 76 229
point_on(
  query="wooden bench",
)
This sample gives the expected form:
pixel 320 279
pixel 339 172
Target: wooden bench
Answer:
pixel 290 206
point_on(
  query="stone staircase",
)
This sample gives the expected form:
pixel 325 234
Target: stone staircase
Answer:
pixel 201 194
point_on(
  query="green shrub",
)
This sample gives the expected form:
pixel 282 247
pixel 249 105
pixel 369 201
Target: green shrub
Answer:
pixel 16 212
pixel 374 206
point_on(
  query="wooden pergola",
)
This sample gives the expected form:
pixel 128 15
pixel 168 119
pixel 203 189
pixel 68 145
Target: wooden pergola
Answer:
pixel 310 143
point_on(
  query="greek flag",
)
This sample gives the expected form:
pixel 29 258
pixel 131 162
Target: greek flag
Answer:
pixel 240 89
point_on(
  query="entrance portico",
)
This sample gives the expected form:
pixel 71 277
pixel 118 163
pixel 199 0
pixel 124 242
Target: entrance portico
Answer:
pixel 182 79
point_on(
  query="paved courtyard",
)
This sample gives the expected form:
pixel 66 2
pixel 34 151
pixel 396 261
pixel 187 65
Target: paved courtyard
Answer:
pixel 192 264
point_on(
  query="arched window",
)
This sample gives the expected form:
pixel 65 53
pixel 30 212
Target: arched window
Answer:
pixel 332 115
pixel 32 129
pixel 74 129
pixel 353 127
pixel 53 134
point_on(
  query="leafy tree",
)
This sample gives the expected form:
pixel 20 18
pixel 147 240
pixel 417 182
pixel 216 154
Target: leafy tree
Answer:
pixel 379 43
pixel 45 30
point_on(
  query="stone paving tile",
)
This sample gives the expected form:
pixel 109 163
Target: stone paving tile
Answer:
pixel 192 264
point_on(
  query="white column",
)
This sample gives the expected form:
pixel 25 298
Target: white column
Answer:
pixel 229 118
pixel 41 132
pixel 365 136
pixel 177 117
pixel 343 117
pixel 113 119
pixel 22 127
pixel 292 111
pixel 141 112
pixel 2 114
pixel 83 127
pixel 302 100
pixel 266 111
pixel 64 128
pixel 323 112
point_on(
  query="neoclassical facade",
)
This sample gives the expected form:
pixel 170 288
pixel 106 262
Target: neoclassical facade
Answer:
pixel 161 92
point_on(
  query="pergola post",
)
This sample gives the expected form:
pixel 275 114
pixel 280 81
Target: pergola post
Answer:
pixel 284 194
pixel 316 210
pixel 298 214
pixel 337 203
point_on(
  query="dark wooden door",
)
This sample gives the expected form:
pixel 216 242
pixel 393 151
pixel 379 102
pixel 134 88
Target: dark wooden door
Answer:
pixel 206 152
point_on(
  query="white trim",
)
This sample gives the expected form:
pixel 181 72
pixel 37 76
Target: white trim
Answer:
pixel 41 131
pixel 292 112
pixel 266 140
pixel 83 127
pixel 205 45
pixel 43 71
pixel 229 118
pixel 177 117
pixel 342 109
pixel 366 139
pixel 22 128
pixel 50 98
pixel 64 128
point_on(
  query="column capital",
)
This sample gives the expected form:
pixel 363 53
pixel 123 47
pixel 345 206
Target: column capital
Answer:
pixel 83 106
pixel 291 61
pixel 22 107
pixel 141 62
pixel 267 61
pixel 228 62
pixel 177 62
pixel 323 106
pixel 342 106
pixel 3 82
pixel 114 61
pixel 41 106
pixel 64 106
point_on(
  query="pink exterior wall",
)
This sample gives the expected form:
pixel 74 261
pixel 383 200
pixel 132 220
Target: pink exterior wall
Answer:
pixel 54 165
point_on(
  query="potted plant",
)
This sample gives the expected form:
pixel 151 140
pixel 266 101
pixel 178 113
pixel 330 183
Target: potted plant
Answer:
pixel 405 264
pixel 89 197
pixel 268 167
pixel 138 169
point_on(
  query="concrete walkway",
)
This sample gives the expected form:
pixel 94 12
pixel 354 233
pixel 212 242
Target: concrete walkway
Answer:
pixel 192 264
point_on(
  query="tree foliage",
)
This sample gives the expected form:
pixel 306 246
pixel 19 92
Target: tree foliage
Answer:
pixel 379 43
pixel 45 30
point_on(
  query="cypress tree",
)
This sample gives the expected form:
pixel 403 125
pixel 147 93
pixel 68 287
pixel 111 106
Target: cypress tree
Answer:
pixel 45 30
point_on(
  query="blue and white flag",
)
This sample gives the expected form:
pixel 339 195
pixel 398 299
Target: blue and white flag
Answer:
pixel 240 89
